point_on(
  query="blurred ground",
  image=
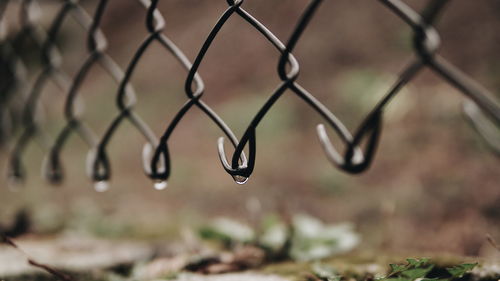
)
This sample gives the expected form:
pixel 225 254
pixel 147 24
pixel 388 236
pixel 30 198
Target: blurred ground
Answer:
pixel 434 187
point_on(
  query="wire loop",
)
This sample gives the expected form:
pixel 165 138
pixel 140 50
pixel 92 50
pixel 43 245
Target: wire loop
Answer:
pixel 357 150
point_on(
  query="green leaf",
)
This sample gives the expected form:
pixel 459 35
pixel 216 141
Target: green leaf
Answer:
pixel 417 262
pixel 418 269
pixel 208 233
pixel 458 271
pixel 396 268
pixel 434 279
pixel 314 240
pixel 396 279
pixel 227 231
pixel 419 272
pixel 274 237
pixel 414 269
pixel 325 272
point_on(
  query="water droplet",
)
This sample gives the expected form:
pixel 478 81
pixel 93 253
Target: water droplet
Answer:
pixel 101 186
pixel 160 185
pixel 358 157
pixel 240 179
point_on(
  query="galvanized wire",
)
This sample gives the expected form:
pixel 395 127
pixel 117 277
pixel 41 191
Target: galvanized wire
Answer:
pixel 358 149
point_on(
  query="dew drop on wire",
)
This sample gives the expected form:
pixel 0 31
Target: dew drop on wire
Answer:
pixel 101 186
pixel 160 185
pixel 240 179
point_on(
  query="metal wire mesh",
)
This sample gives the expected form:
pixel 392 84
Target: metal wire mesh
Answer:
pixel 356 155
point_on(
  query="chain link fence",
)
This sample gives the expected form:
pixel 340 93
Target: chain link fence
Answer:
pixel 355 155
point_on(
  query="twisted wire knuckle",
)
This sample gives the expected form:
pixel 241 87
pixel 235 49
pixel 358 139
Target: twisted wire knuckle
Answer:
pixel 482 110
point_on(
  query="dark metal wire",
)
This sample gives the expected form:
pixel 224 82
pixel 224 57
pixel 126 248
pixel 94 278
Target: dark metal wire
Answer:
pixel 289 83
pixel 8 74
pixel 13 69
pixel 194 94
pixel 156 166
pixel 426 41
pixel 359 148
pixel 482 109
pixel 98 163
pixel 96 45
pixel 51 60
pixel 12 74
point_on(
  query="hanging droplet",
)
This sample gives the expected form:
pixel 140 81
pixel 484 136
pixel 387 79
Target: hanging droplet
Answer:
pixel 240 179
pixel 101 186
pixel 160 185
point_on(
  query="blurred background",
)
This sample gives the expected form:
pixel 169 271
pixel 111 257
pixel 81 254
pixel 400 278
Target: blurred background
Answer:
pixel 433 187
